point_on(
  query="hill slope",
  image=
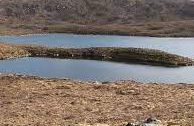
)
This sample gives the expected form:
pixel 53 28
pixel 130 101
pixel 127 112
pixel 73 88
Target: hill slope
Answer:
pixel 123 17
pixel 100 11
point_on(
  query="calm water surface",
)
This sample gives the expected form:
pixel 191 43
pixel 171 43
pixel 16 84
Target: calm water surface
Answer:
pixel 181 46
pixel 96 70
pixel 100 70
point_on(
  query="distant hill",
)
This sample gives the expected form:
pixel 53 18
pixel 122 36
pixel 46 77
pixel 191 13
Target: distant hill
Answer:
pixel 122 17
pixel 97 11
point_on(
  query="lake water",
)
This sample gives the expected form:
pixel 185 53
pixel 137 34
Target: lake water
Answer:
pixel 181 46
pixel 96 70
pixel 101 70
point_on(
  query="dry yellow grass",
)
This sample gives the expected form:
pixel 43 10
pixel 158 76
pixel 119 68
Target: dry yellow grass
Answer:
pixel 26 100
pixel 10 51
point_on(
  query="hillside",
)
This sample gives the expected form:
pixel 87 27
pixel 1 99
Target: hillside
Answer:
pixel 124 17
pixel 97 11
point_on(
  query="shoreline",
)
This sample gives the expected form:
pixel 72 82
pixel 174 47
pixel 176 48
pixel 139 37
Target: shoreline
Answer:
pixel 150 29
pixel 96 82
pixel 72 33
pixel 95 34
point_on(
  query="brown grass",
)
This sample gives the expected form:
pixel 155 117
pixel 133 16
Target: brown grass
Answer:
pixel 127 55
pixel 28 100
pixel 160 29
pixel 10 51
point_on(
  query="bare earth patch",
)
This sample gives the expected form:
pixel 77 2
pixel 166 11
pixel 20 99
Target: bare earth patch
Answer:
pixel 26 100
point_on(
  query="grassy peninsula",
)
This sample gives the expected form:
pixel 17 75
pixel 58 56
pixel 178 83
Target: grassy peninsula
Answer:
pixel 127 55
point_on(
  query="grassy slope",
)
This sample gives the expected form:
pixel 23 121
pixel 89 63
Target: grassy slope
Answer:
pixel 97 11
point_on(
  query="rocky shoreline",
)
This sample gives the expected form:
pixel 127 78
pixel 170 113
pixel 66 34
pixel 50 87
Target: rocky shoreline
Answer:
pixel 29 100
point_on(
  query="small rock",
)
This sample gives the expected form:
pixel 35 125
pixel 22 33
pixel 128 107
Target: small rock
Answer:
pixel 150 120
pixel 130 124
pixel 105 82
pixel 97 82
pixel 127 92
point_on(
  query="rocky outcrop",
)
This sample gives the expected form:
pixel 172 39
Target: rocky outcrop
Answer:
pixel 147 122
